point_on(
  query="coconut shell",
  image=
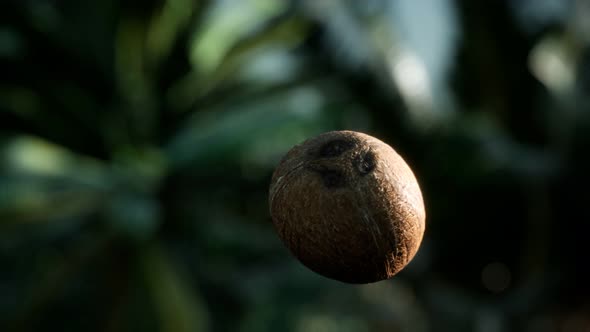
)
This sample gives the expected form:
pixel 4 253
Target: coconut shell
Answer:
pixel 348 207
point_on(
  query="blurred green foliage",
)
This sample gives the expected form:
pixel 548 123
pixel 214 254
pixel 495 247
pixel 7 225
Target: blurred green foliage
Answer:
pixel 137 140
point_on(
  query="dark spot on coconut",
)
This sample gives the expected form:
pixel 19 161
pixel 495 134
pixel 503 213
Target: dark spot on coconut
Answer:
pixel 331 178
pixel 335 148
pixel 365 163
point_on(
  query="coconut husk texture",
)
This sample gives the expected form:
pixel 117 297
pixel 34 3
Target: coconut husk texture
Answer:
pixel 348 207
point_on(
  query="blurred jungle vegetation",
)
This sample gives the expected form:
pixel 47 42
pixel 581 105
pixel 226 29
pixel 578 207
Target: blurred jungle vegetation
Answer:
pixel 137 141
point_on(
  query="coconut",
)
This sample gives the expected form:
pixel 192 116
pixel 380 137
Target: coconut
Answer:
pixel 348 207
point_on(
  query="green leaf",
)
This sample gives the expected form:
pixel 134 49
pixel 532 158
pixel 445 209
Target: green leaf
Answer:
pixel 40 181
pixel 278 31
pixel 180 307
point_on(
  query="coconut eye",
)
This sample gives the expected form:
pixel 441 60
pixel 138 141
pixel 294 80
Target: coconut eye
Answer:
pixel 365 163
pixel 335 148
pixel 332 178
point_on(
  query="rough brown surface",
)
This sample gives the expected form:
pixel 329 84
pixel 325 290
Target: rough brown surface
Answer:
pixel 348 207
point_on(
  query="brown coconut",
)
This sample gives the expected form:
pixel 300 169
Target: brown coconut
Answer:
pixel 348 207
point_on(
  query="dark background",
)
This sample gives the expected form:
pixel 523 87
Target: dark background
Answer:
pixel 137 141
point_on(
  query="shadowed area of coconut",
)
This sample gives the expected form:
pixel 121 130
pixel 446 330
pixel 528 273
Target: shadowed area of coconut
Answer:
pixel 348 207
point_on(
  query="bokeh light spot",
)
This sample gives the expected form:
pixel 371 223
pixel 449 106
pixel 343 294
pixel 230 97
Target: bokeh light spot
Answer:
pixel 496 277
